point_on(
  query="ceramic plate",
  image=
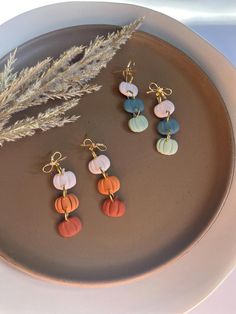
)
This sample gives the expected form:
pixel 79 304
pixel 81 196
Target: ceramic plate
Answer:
pixel 171 200
pixel 187 280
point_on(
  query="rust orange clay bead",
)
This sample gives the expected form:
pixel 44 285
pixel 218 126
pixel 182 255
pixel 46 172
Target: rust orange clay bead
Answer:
pixel 66 204
pixel 115 208
pixel 108 185
pixel 69 228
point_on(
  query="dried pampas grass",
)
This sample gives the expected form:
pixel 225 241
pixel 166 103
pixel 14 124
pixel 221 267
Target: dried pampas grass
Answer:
pixel 60 79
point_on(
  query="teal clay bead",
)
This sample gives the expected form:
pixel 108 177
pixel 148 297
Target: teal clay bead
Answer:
pixel 138 124
pixel 164 127
pixel 167 146
pixel 133 105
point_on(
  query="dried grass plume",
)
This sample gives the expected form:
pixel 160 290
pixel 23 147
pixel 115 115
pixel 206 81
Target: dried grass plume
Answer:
pixel 60 79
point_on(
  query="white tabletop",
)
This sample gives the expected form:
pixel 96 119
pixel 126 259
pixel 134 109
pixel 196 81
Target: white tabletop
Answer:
pixel 215 21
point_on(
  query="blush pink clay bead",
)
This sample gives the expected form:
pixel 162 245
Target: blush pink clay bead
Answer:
pixel 66 180
pixel 99 163
pixel 161 110
pixel 128 89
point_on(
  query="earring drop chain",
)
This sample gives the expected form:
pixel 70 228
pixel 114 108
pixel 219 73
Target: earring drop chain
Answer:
pixel 134 106
pixel 66 203
pixel 167 126
pixel 108 185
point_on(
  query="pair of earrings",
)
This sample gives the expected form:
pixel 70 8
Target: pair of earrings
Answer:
pixel 163 110
pixel 68 202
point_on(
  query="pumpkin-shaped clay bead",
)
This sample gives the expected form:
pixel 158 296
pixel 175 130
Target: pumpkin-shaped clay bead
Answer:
pixel 128 89
pixel 66 179
pixel 69 228
pixel 134 105
pixel 66 204
pixel 114 208
pixel 164 108
pixel 171 126
pixel 99 163
pixel 138 124
pixel 167 147
pixel 108 185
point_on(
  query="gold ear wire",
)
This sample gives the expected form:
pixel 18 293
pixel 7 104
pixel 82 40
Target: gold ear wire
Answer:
pixel 129 71
pixel 92 146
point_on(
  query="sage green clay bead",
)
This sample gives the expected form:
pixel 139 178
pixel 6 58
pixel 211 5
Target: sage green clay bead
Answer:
pixel 138 124
pixel 167 147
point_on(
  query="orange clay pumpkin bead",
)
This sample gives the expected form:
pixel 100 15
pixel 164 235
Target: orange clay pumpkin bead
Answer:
pixel 108 185
pixel 69 228
pixel 66 204
pixel 114 208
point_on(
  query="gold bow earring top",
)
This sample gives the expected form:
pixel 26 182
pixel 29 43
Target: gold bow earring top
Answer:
pixel 56 158
pixel 160 92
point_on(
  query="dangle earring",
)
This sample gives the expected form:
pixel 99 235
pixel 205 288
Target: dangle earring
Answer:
pixel 167 126
pixel 108 185
pixel 66 203
pixel 138 123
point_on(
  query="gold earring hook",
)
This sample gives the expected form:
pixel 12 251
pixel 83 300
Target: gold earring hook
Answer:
pixel 129 71
pixel 93 146
pixel 160 92
pixel 56 158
